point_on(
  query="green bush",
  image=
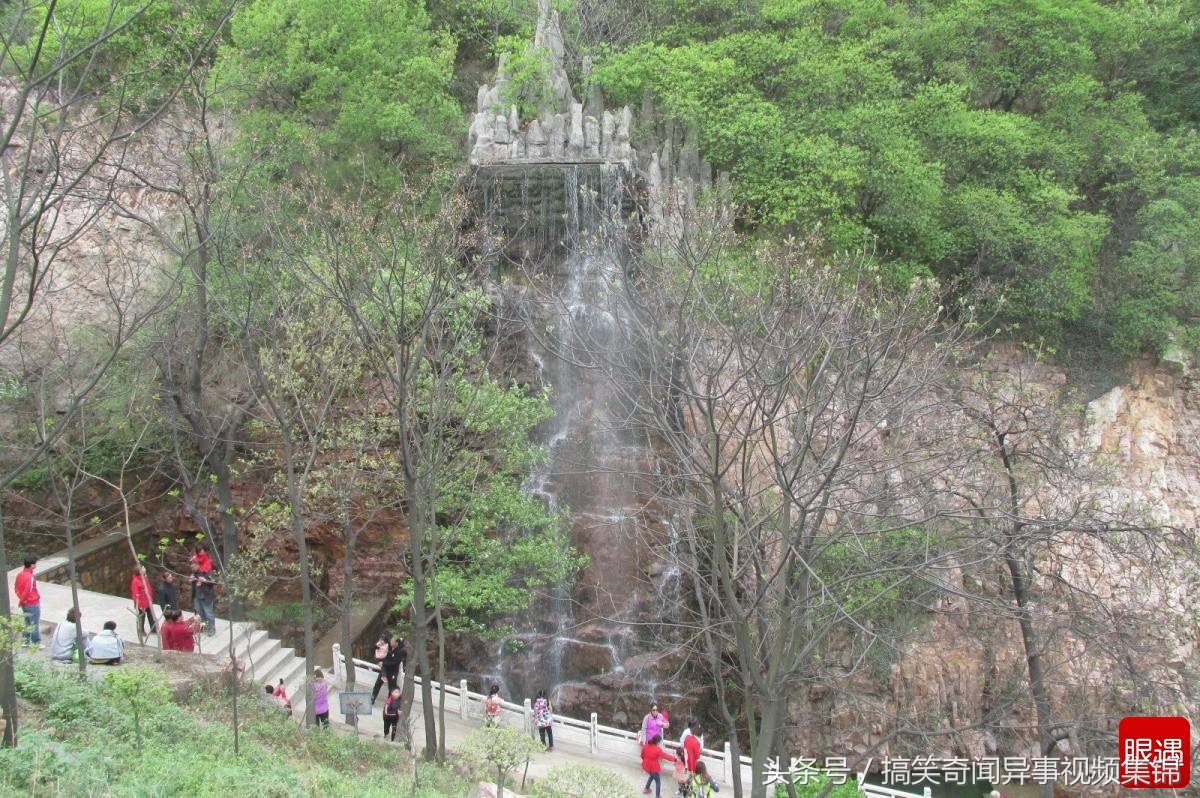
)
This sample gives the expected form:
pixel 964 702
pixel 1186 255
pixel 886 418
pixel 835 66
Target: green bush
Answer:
pixel 84 744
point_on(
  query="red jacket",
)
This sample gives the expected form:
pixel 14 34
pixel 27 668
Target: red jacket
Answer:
pixel 691 748
pixel 202 562
pixel 142 592
pixel 651 756
pixel 27 592
pixel 176 636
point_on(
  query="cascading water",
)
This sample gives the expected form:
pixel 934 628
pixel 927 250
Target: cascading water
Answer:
pixel 567 221
pixel 569 195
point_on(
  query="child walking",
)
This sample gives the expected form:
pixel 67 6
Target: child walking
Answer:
pixel 544 718
pixel 652 758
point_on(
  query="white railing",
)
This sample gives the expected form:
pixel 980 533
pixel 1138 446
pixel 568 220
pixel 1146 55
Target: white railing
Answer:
pixel 588 734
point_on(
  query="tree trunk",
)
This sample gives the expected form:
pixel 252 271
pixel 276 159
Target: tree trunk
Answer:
pixel 73 575
pixel 1033 659
pixel 347 606
pixel 420 614
pixel 8 687
pixel 297 506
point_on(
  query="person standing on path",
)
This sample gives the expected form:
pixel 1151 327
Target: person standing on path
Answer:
pixel 491 707
pixel 389 667
pixel 320 695
pixel 653 725
pixel 205 596
pixel 30 602
pixel 692 744
pixel 652 758
pixel 167 593
pixel 543 716
pixel 391 714
pixel 142 593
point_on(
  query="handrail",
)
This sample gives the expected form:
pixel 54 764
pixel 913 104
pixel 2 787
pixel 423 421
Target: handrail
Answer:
pixel 720 762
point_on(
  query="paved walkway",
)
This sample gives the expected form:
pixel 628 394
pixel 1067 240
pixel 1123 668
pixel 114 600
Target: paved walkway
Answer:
pixel 99 607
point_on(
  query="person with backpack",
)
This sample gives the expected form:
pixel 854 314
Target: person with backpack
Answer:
pixel 543 717
pixel 391 714
pixel 491 707
pixel 653 756
pixel 703 785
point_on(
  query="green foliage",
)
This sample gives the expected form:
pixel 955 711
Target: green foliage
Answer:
pixel 813 785
pixel 338 80
pixel 1030 147
pixel 584 781
pixel 529 87
pixel 128 53
pixel 140 690
pixel 879 575
pixel 493 751
pixel 80 741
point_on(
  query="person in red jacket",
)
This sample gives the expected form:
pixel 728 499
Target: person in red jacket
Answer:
pixel 30 602
pixel 691 747
pixel 652 758
pixel 143 600
pixel 176 635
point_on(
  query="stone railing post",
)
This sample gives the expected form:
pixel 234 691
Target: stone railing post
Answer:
pixel 927 793
pixel 339 665
pixel 729 763
pixel 593 736
pixel 462 698
pixel 527 712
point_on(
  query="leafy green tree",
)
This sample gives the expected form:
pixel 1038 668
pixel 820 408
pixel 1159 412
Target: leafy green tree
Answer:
pixel 140 689
pixel 496 751
pixel 1003 147
pixel 362 75
pixel 149 48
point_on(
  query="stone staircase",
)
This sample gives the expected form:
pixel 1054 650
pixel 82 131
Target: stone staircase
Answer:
pixel 265 658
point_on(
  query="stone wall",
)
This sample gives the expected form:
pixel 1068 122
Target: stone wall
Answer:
pixel 104 564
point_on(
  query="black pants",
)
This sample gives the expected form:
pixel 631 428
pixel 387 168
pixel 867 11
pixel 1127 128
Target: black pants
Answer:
pixel 656 780
pixel 322 719
pixel 391 674
pixel 143 616
pixel 389 727
pixel 546 734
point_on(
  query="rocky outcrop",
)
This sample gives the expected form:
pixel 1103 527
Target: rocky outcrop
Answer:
pixel 562 131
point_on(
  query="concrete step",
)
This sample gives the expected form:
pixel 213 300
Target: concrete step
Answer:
pixel 269 669
pixel 261 649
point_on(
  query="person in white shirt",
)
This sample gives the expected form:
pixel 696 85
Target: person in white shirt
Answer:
pixel 106 648
pixel 62 645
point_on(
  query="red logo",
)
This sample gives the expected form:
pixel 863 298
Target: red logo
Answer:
pixel 1155 753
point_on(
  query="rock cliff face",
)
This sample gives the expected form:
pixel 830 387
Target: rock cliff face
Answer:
pixel 964 671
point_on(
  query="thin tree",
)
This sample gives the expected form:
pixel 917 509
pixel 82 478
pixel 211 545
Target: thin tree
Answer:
pixel 57 156
pixel 780 388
